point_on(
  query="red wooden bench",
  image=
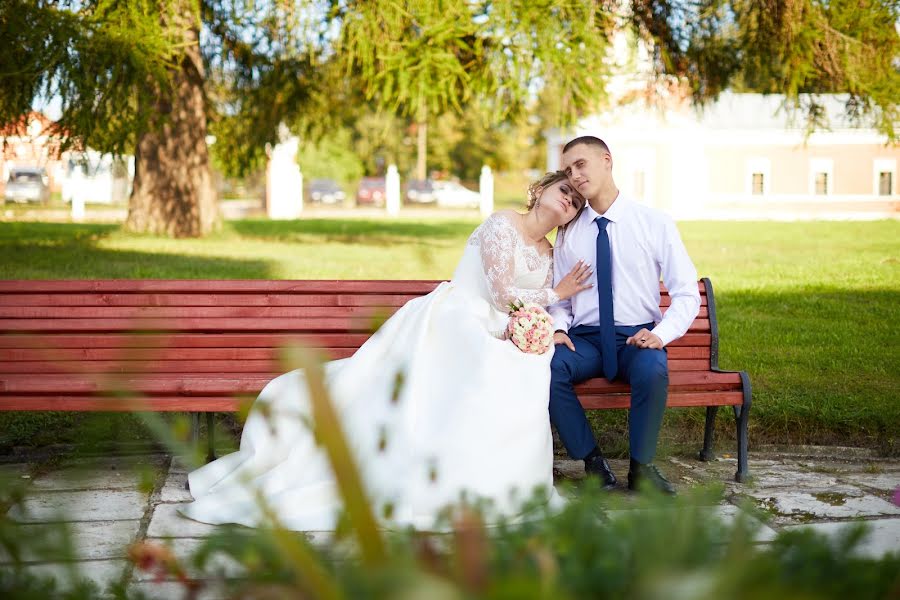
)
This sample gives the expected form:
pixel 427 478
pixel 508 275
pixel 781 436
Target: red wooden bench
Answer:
pixel 200 346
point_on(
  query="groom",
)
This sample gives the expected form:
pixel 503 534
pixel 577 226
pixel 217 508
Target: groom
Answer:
pixel 617 332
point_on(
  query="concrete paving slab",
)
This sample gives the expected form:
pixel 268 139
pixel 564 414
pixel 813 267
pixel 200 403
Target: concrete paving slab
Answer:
pixel 91 540
pixel 729 513
pixel 887 482
pixel 834 504
pixel 883 536
pixel 788 475
pixel 87 505
pixel 174 489
pixel 179 465
pixel 218 565
pixel 87 478
pixel 726 513
pixel 102 572
pixel 166 522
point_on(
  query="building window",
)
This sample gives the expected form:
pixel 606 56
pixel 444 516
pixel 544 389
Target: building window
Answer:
pixel 821 176
pixel 758 184
pixel 885 183
pixel 821 182
pixel 758 176
pixel 884 176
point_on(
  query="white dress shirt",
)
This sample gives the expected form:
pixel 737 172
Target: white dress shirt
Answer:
pixel 645 245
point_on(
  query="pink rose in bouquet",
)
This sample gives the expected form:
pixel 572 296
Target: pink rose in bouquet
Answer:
pixel 530 328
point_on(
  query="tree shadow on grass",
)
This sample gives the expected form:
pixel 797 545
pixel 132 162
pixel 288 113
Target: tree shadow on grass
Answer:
pixel 71 251
pixel 374 232
pixel 68 251
pixel 823 362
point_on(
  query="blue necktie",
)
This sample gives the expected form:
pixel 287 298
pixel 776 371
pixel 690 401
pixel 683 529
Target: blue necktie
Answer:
pixel 604 291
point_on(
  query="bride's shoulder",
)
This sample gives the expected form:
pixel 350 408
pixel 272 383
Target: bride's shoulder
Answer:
pixel 498 228
pixel 503 219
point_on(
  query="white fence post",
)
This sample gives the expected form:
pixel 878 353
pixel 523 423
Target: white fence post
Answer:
pixel 77 185
pixel 486 188
pixel 392 191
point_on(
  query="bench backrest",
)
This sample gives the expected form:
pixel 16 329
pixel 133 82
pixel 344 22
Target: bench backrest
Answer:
pixel 227 334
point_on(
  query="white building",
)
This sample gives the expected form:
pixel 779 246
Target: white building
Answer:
pixel 744 157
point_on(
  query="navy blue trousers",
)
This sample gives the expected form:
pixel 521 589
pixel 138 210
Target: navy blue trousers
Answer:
pixel 644 369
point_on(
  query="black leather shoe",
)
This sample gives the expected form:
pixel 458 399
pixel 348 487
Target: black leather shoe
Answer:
pixel 598 467
pixel 648 475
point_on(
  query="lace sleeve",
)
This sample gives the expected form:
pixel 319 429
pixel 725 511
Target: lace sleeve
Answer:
pixel 498 259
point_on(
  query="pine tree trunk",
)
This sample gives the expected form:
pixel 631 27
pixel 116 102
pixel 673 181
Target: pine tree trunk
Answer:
pixel 173 193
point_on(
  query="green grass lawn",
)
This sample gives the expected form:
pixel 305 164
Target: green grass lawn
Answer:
pixel 809 309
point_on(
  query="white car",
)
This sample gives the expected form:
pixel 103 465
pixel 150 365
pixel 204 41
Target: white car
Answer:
pixel 452 194
pixel 27 184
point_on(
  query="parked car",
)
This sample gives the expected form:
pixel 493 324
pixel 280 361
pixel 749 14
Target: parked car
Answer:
pixel 420 191
pixel 326 191
pixel 27 184
pixel 453 194
pixel 371 191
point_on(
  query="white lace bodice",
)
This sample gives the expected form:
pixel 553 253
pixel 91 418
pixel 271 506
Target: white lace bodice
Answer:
pixel 512 269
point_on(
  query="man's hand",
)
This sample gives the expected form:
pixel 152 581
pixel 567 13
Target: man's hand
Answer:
pixel 643 339
pixel 560 337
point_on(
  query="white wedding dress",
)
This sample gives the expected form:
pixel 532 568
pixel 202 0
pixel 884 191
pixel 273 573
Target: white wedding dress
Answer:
pixel 471 415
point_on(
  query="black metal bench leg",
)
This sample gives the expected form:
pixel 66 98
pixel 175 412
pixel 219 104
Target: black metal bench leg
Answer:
pixel 210 437
pixel 195 429
pixel 707 453
pixel 741 419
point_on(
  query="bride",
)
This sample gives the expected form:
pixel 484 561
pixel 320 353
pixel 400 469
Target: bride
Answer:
pixel 470 416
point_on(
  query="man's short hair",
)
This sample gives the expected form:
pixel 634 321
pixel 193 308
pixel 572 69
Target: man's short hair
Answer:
pixel 587 140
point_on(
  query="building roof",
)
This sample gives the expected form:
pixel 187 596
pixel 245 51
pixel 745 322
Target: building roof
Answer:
pixel 24 125
pixel 731 111
pixel 771 111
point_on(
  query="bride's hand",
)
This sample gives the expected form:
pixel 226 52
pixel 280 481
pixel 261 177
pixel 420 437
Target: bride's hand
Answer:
pixel 573 282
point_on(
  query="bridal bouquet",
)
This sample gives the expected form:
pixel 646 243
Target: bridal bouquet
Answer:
pixel 530 328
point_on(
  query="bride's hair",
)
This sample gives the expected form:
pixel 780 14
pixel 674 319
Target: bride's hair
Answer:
pixel 537 187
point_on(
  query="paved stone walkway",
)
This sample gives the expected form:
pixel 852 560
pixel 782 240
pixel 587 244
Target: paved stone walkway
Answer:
pixel 112 502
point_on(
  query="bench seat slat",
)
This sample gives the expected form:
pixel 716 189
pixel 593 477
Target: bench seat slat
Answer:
pixel 225 403
pixel 675 399
pixel 226 383
pixel 226 353
pixel 301 324
pixel 269 365
pixel 216 403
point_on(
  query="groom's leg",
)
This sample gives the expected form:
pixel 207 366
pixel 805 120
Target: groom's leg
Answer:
pixel 647 371
pixel 566 369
